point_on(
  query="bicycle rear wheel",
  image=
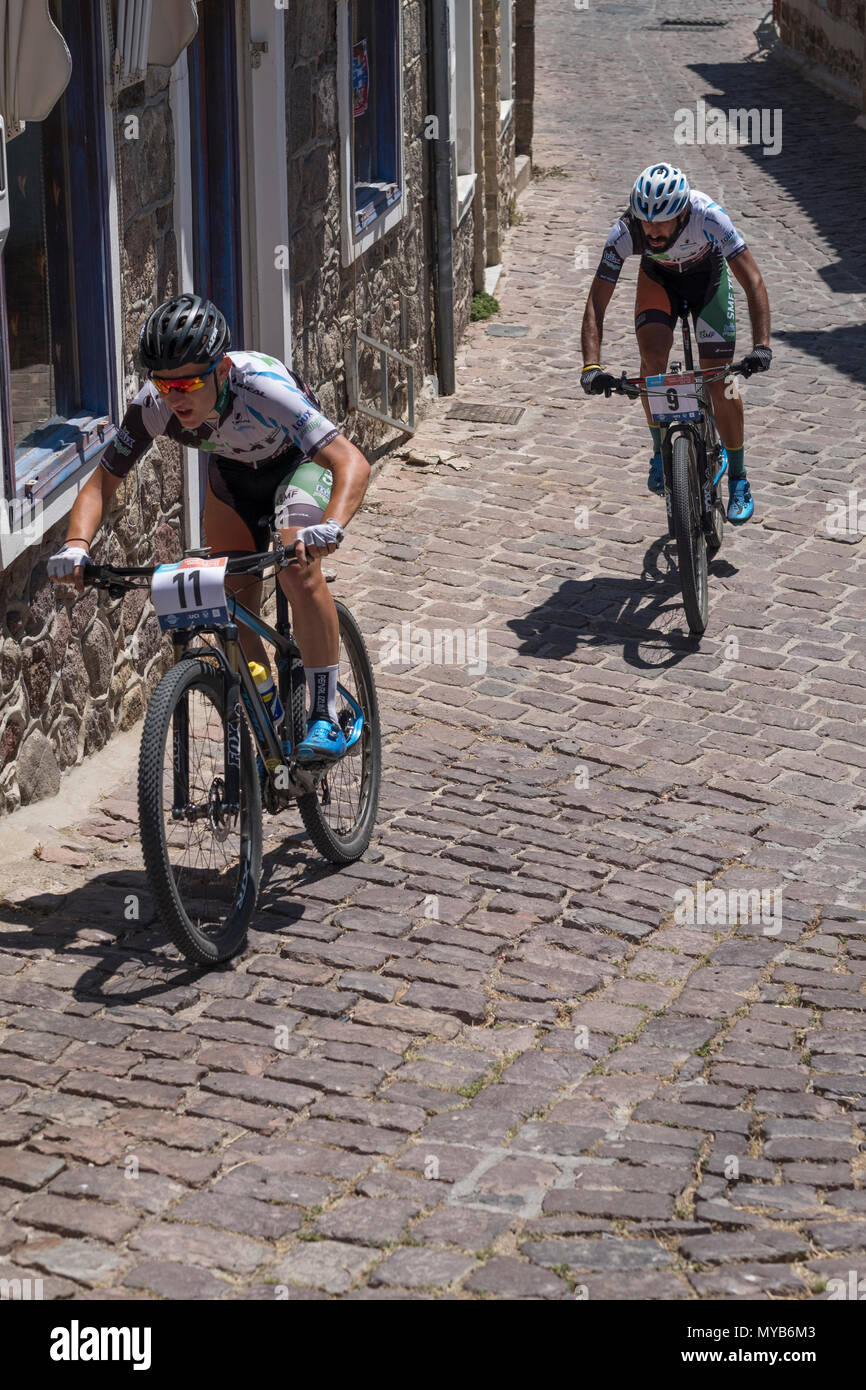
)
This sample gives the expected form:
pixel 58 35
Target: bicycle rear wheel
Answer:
pixel 203 863
pixel 689 533
pixel 341 813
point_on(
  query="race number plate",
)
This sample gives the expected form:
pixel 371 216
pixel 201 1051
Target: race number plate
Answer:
pixel 673 398
pixel 190 593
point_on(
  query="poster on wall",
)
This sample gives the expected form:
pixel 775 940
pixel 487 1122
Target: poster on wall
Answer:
pixel 360 78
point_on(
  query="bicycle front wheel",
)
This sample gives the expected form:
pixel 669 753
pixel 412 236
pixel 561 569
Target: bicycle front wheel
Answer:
pixel 689 534
pixel 340 815
pixel 717 529
pixel 203 860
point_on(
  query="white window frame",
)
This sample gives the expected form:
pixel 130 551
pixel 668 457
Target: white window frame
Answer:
pixel 269 313
pixel 183 231
pixel 16 539
pixel 260 37
pixel 506 63
pixel 461 62
pixel 354 244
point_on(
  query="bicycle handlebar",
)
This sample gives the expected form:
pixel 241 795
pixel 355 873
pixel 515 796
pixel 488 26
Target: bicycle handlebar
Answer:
pixel 122 579
pixel 636 385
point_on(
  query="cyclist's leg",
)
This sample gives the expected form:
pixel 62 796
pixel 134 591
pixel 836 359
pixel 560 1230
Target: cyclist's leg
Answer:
pixel 301 501
pixel 654 320
pixel 227 526
pixel 716 332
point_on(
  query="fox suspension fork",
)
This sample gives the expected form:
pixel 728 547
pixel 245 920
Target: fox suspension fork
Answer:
pixel 233 716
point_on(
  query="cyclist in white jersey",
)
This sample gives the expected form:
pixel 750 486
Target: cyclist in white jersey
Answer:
pixel 686 243
pixel 270 449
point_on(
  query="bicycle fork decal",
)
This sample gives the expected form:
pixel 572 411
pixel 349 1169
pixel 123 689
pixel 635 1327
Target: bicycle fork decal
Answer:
pixel 233 755
pixel 180 759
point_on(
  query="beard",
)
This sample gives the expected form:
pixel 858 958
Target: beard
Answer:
pixel 667 242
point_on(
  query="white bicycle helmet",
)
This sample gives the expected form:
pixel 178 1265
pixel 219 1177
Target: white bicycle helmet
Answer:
pixel 661 191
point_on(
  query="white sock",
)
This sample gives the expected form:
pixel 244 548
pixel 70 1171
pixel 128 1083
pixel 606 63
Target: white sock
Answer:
pixel 322 682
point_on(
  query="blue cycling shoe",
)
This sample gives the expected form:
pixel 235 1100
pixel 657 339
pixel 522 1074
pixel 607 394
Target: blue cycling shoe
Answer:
pixel 740 504
pixel 723 465
pixel 322 740
pixel 656 480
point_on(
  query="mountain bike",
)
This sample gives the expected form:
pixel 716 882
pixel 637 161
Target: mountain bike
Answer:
pixel 693 462
pixel 211 756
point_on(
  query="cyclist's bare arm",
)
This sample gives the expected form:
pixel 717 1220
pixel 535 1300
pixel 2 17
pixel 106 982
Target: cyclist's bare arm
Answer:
pixel 84 523
pixel 745 268
pixel 350 472
pixel 90 504
pixel 88 510
pixel 351 475
pixel 593 320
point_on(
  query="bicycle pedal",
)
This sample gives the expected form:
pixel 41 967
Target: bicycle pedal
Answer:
pixel 316 766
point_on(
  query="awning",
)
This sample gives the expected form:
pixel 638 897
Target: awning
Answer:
pixel 150 32
pixel 35 65
pixel 173 27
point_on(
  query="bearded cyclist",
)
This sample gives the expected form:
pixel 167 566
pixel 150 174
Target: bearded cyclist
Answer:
pixel 686 243
pixel 270 450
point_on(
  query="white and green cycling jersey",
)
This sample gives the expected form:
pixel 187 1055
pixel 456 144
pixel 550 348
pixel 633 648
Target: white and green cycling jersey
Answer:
pixel 263 410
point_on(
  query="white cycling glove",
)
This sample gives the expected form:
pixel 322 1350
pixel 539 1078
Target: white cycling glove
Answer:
pixel 326 533
pixel 63 565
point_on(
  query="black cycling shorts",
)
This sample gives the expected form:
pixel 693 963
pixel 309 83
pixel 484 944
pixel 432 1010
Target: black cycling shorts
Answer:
pixel 707 293
pixel 294 488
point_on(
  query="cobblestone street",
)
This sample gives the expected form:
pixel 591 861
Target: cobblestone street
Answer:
pixel 529 1049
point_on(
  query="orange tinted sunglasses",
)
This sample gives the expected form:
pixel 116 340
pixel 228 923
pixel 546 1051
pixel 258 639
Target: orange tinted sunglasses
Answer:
pixel 164 384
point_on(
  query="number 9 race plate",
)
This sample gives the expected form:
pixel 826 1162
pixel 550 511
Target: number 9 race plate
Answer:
pixel 673 398
pixel 190 593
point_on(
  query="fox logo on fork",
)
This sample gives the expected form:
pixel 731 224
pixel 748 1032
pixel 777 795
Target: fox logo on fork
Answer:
pixel 233 738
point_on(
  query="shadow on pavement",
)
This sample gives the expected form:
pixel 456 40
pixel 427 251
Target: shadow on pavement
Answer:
pixel 819 165
pixel 643 615
pixel 136 962
pixel 843 348
pixel 822 152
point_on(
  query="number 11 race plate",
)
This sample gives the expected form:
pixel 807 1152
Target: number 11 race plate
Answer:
pixel 673 398
pixel 190 593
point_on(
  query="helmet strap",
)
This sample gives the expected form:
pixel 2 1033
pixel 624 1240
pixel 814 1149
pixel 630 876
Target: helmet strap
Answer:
pixel 223 397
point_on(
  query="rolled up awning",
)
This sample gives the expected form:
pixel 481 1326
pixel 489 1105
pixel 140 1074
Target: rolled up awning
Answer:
pixel 35 64
pixel 150 33
pixel 173 27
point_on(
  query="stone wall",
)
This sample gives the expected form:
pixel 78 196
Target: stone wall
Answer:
pixel 498 143
pixel 73 670
pixel 524 75
pixel 464 278
pixel 833 37
pixel 386 293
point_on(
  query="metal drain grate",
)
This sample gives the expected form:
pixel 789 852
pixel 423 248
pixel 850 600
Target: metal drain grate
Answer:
pixel 507 330
pixel 692 23
pixel 487 414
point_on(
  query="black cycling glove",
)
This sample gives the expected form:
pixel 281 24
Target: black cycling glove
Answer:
pixel 758 360
pixel 595 382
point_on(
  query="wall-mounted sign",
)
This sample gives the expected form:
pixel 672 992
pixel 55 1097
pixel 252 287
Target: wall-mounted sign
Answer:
pixel 360 78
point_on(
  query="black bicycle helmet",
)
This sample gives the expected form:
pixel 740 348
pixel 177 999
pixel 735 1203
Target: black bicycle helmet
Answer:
pixel 186 329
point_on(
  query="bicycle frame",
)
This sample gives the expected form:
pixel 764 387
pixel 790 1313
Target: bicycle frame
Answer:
pixel 241 689
pixel 696 430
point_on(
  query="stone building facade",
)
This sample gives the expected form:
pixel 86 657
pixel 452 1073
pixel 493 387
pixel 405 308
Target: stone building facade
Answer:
pixel 274 240
pixel 829 39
